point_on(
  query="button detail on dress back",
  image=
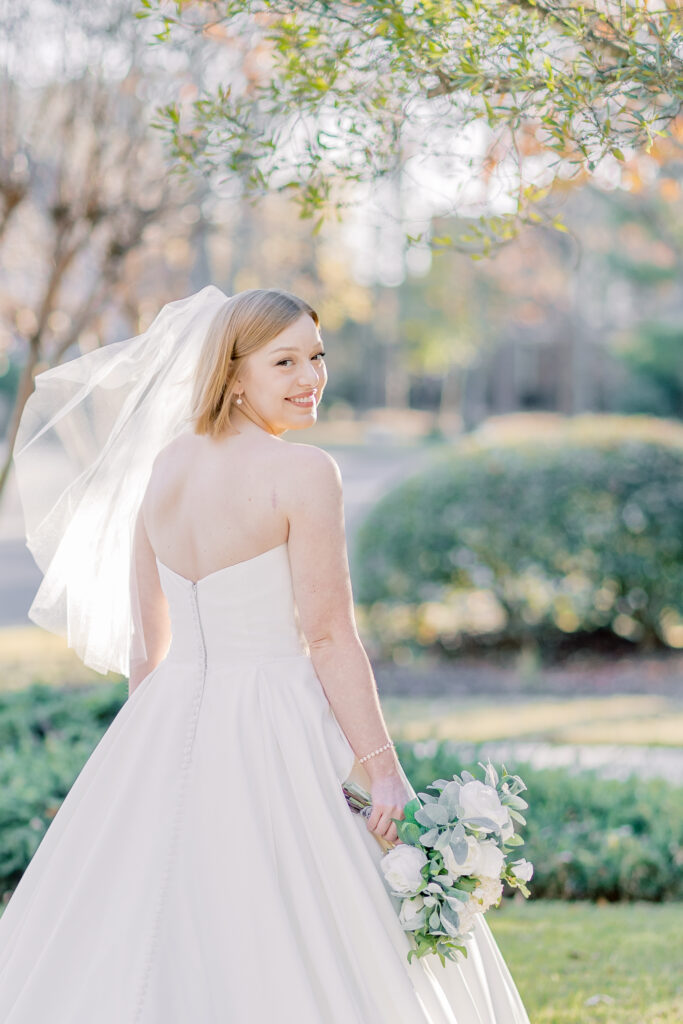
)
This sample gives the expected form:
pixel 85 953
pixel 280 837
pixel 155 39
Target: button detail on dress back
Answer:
pixel 176 822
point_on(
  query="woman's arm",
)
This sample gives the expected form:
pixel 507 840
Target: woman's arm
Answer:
pixel 151 620
pixel 324 598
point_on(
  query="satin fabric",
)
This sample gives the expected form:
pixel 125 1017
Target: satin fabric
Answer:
pixel 205 868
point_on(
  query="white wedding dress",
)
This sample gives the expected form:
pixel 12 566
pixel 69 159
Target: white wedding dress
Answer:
pixel 205 868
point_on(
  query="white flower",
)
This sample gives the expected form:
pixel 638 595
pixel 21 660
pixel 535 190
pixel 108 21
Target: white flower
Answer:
pixel 467 867
pixel 484 858
pixel 523 869
pixel 467 914
pixel 488 892
pixel 490 860
pixel 477 800
pixel 402 869
pixel 412 913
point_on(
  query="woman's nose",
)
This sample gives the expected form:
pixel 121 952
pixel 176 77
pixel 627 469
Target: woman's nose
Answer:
pixel 312 376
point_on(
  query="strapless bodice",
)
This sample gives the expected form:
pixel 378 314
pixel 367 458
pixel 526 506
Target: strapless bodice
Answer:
pixel 245 610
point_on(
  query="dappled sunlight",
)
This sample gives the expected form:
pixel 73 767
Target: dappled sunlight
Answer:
pixel 632 719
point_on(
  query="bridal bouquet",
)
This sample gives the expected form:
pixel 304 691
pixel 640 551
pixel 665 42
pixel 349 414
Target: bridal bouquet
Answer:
pixel 454 856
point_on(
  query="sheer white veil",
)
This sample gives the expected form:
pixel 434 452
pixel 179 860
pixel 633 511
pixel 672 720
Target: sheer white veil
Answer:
pixel 87 439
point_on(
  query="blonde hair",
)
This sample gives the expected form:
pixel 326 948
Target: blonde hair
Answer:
pixel 244 324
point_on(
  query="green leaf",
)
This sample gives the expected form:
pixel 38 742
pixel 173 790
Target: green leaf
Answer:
pixel 443 839
pixel 449 799
pixel 408 832
pixel 514 840
pixel 410 808
pixel 512 800
pixel 432 814
pixel 430 837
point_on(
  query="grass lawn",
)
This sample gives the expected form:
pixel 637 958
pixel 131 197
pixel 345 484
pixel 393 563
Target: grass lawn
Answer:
pixel 577 963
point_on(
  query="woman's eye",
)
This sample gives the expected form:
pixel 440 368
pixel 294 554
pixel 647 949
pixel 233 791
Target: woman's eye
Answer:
pixel 318 355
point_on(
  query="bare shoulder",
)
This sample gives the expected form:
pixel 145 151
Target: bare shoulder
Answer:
pixel 310 469
pixel 168 456
pixel 310 484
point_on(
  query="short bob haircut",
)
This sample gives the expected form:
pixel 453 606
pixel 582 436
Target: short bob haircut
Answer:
pixel 245 323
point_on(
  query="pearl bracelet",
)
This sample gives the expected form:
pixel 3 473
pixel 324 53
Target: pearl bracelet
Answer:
pixel 378 751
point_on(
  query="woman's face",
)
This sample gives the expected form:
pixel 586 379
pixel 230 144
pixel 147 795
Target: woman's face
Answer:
pixel 282 383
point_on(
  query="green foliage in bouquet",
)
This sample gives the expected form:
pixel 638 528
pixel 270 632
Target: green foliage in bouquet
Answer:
pixel 451 858
pixel 434 821
pixel 579 533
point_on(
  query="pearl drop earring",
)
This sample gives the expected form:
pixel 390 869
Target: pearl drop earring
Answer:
pixel 238 401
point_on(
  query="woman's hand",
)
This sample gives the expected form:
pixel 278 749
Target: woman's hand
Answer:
pixel 389 796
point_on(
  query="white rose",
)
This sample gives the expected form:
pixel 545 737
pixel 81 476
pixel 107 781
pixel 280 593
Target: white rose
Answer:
pixel 477 800
pixel 523 870
pixel 402 869
pixel 413 913
pixel 467 866
pixel 483 858
pixel 490 859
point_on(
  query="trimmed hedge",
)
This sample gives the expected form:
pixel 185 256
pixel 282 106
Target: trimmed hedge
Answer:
pixel 588 838
pixel 576 533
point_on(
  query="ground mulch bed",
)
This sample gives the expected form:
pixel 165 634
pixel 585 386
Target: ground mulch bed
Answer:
pixel 578 676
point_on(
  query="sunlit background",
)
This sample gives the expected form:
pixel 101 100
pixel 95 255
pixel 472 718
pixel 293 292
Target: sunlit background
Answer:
pixel 510 434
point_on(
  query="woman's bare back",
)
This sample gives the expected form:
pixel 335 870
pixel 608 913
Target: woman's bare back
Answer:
pixel 211 503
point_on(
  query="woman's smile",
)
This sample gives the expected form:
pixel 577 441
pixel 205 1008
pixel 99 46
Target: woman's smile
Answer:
pixel 307 400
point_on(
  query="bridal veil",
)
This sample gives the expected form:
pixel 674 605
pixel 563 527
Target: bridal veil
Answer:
pixel 88 436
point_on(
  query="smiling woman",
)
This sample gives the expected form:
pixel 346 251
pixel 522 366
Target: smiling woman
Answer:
pixel 242 374
pixel 251 701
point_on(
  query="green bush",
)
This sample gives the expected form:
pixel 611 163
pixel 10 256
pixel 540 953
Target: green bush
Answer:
pixel 573 534
pixel 588 838
pixel 46 736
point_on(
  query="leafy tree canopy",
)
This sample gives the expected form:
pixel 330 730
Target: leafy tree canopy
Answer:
pixel 310 96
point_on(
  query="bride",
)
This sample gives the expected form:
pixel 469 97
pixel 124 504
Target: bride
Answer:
pixel 205 866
